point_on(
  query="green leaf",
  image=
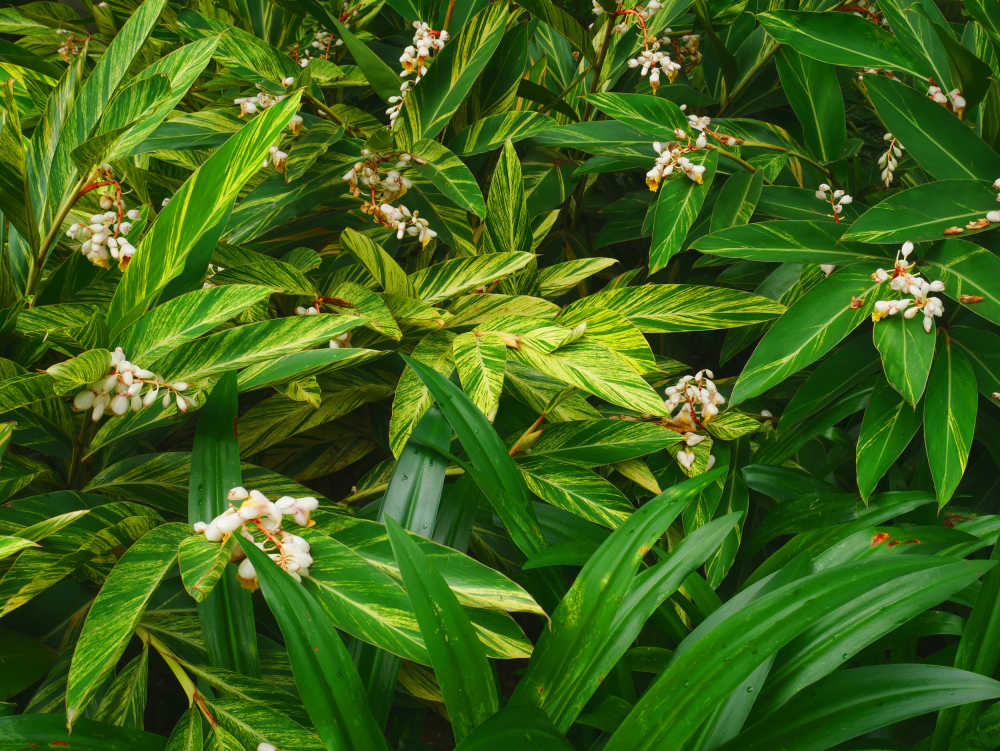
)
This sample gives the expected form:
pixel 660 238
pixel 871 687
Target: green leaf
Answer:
pixel 677 206
pixel 324 673
pixel 576 490
pixel 939 141
pixel 924 212
pixel 170 325
pixel 461 667
pixel 731 425
pixel 383 79
pixel 493 470
pixel 161 255
pixel 490 132
pixel 383 268
pixel 480 360
pixel 949 417
pixel 666 308
pixel 524 728
pixel 564 670
pixel 810 329
pixel 854 702
pixel 9 545
pixel 26 731
pixel 449 174
pixel 560 277
pixel 888 427
pixel 431 103
pixel 840 39
pixel 124 701
pixel 246 345
pixel 226 612
pixel 907 352
pixel 458 275
pixel 562 23
pixel 787 241
pixel 186 735
pixel 967 269
pixel 737 199
pixel 202 564
pixel 592 443
pixel 302 365
pixel 116 611
pixel 506 226
pixel 656 116
pixel 814 92
pixel 697 679
pixel 79 371
pixel 412 398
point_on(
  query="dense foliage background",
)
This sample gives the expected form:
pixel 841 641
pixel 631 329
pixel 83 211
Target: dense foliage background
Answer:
pixel 424 374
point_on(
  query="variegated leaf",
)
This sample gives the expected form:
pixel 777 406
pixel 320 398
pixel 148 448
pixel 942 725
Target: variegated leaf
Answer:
pixel 480 359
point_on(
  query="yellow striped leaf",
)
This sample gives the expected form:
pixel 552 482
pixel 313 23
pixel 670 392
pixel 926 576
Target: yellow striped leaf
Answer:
pixel 506 225
pixel 458 275
pixel 383 268
pixel 480 359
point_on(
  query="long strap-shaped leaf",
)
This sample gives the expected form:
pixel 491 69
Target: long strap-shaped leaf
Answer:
pixel 461 667
pixel 566 655
pixel 201 202
pixel 852 702
pixel 523 728
pixel 48 731
pixel 116 610
pixel 493 469
pixel 226 615
pixel 324 673
pixel 694 684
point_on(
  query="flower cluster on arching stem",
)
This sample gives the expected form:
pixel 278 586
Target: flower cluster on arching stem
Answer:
pixel 672 156
pixel 693 401
pixel 953 100
pixel 906 281
pixel 837 199
pixel 255 515
pixel 129 387
pixel 380 188
pixel 415 58
pixel 103 237
pixel 889 160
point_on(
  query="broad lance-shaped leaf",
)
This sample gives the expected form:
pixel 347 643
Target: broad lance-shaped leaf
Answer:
pixel 24 731
pixel 787 241
pixel 480 359
pixel 226 612
pixel 939 141
pixel 949 416
pixel 667 308
pixel 240 346
pixel 383 268
pixel 462 670
pixel 79 371
pixel 490 132
pixel 412 398
pixel 493 469
pixel 967 269
pixel 458 275
pixel 576 490
pixel 186 317
pixel 449 175
pixel 526 728
pixel 116 611
pixel 656 116
pixel 907 352
pixel 814 92
pixel 677 206
pixel 202 564
pixel 697 680
pixel 851 703
pixel 563 661
pixel 888 427
pixel 840 39
pixel 200 203
pixel 925 212
pixel 737 199
pixel 808 330
pixel 324 673
pixel 506 225
pixel 429 106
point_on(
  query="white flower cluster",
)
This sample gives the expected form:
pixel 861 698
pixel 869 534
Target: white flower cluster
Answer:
pixel 104 237
pixel 953 100
pixel 382 190
pixel 406 222
pixel 129 387
pixel 289 551
pixel 908 283
pixel 699 401
pixel 278 158
pixel 344 340
pixel 68 47
pixel 837 199
pixel 889 160
pixel 426 43
pixel 323 41
pixel 670 156
pixel 262 101
pixel 652 62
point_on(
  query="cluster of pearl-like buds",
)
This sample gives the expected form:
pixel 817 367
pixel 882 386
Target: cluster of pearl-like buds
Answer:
pixel 104 237
pixel 888 161
pixel 323 41
pixel 907 282
pixel 381 189
pixel 837 199
pixel 670 157
pixel 129 387
pixel 652 62
pixel 405 222
pixel 698 401
pixel 415 58
pixel 257 512
pixel 953 100
pixel 261 101
pixel 69 47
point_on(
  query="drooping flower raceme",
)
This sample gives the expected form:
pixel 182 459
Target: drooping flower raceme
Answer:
pixel 380 189
pixel 888 161
pixel 693 401
pixel 129 387
pixel 908 282
pixel 415 58
pixel 837 199
pixel 256 514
